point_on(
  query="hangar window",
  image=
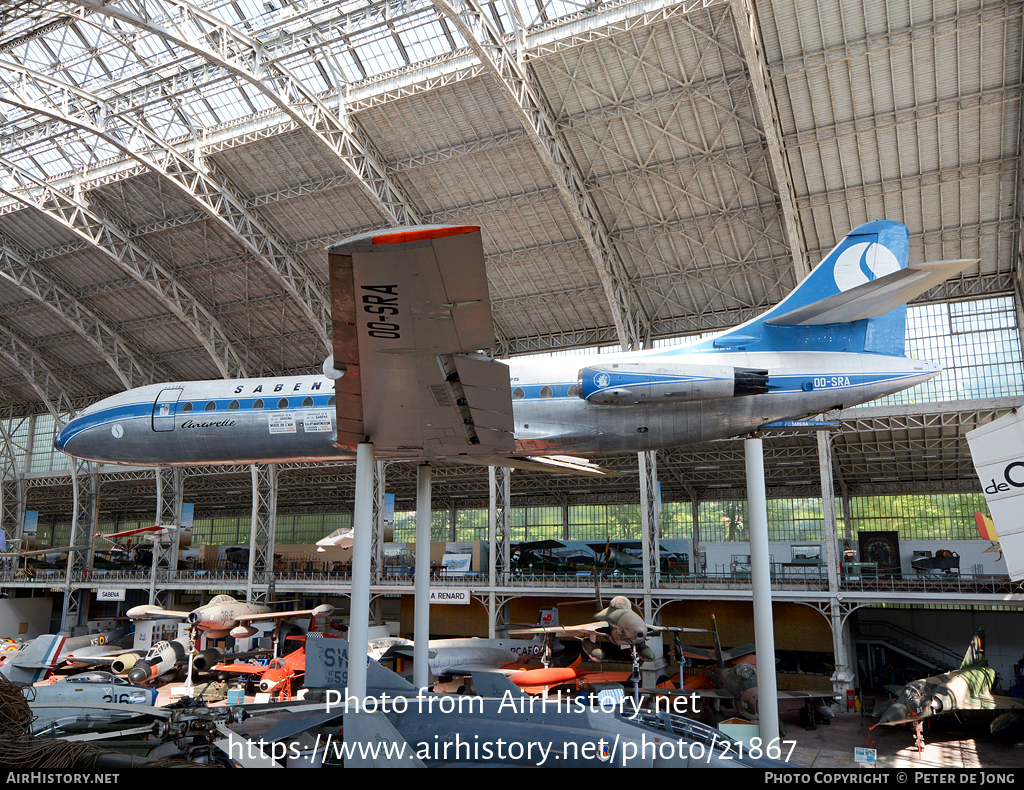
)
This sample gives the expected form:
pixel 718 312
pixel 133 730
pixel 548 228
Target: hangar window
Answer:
pixel 186 409
pixel 233 406
pixel 257 404
pixel 283 403
pixel 518 393
pixel 211 406
pixel 307 402
pixel 545 392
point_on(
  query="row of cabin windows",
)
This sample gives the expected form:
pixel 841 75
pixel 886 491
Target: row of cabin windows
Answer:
pixel 188 408
pixel 545 392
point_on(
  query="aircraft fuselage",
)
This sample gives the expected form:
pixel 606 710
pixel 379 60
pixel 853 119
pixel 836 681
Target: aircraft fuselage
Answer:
pixel 281 419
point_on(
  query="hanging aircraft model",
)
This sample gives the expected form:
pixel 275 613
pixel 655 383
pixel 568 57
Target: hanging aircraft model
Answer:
pixel 410 313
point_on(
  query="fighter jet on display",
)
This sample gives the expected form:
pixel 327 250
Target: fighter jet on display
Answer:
pixel 224 616
pixel 968 688
pixel 732 682
pixel 33 661
pixel 617 623
pixel 411 311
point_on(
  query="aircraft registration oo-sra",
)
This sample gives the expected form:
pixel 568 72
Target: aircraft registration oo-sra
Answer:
pixel 410 312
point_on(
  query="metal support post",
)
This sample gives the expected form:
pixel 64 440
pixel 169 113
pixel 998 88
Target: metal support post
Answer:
pixel 761 587
pixel 359 608
pixel 421 593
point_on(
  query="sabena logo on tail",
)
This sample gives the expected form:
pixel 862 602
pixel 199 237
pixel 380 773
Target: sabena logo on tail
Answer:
pixel 863 262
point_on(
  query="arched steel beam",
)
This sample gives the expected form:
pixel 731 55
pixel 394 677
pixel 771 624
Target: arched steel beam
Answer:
pixel 749 33
pixel 190 174
pixel 248 59
pixel 47 382
pixel 106 235
pixel 525 99
pixel 48 291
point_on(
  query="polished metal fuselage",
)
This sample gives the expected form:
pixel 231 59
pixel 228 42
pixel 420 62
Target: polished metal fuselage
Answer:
pixel 283 419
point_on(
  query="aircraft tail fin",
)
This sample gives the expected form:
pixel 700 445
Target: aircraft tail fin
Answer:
pixel 719 659
pixel 975 651
pixel 34 661
pixel 853 301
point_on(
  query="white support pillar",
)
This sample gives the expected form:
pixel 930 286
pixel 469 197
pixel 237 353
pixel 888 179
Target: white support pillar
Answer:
pixel 362 537
pixel 421 592
pixel 761 587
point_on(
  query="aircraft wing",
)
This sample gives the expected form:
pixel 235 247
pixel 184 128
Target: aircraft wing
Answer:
pixel 665 629
pixel 590 631
pixel 145 612
pixel 874 298
pixel 1007 703
pixel 319 611
pixel 410 309
pixel 241 669
pixel 788 694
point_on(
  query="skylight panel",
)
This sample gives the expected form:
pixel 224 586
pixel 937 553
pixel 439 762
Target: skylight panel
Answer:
pixel 379 56
pixel 425 41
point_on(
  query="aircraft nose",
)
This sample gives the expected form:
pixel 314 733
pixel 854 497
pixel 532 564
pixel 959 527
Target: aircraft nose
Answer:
pixel 748 702
pixel 896 713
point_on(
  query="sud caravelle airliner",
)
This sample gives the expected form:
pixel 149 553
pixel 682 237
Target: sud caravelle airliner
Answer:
pixel 410 312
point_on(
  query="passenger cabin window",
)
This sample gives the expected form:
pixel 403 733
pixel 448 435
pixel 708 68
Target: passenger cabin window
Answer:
pixel 307 402
pixel 233 406
pixel 186 409
pixel 257 404
pixel 574 391
pixel 283 403
pixel 518 393
pixel 211 406
pixel 330 401
pixel 545 392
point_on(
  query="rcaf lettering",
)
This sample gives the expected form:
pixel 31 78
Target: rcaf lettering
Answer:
pixel 383 300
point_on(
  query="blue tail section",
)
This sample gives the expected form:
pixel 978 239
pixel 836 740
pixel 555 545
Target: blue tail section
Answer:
pixel 872 250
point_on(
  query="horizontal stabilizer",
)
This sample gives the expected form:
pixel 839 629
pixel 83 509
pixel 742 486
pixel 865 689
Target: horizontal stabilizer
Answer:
pixel 553 464
pixel 874 298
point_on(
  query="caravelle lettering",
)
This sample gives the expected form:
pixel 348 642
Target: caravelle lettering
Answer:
pixel 383 300
pixel 217 424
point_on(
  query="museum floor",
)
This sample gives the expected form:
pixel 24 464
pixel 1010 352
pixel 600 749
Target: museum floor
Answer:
pixel 832 746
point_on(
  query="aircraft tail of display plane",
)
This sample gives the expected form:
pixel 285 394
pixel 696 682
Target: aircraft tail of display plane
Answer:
pixel 411 314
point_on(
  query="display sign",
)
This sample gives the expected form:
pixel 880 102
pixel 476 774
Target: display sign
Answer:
pixel 317 422
pixel 862 755
pixel 282 423
pixel 116 594
pixel 450 596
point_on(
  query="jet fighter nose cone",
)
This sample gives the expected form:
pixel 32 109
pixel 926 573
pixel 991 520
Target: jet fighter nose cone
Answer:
pixel 897 713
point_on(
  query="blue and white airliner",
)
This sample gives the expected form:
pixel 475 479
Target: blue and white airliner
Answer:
pixel 405 374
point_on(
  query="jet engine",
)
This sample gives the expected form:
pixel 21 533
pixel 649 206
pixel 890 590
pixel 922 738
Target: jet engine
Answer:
pixel 123 663
pixel 664 382
pixel 161 658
